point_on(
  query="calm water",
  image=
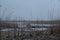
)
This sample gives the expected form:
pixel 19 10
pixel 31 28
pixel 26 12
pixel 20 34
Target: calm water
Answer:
pixel 25 29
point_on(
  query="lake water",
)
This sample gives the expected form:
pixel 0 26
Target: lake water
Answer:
pixel 25 29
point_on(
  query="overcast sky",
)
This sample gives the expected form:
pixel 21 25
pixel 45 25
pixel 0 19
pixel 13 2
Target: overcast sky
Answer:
pixel 30 9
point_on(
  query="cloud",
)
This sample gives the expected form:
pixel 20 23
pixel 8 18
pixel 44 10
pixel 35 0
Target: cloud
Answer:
pixel 26 8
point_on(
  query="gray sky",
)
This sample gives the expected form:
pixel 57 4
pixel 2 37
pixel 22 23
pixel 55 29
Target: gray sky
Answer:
pixel 31 9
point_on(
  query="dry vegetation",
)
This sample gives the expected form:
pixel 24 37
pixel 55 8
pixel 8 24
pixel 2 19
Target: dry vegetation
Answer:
pixel 52 33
